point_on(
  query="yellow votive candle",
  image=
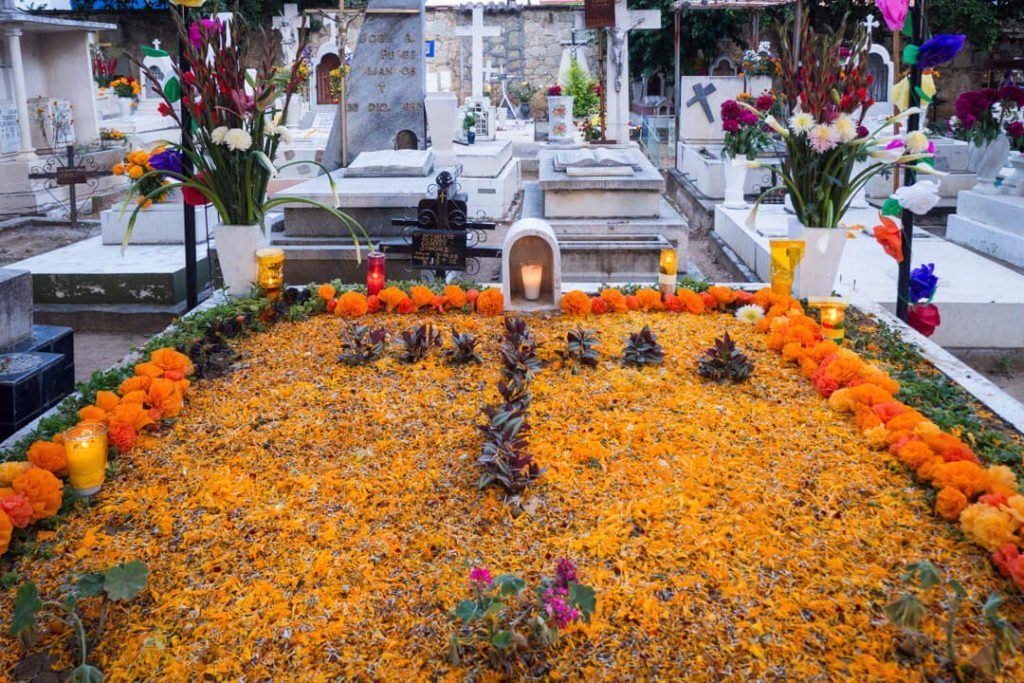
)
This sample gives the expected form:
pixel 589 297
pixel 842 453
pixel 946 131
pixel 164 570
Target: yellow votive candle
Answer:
pixel 86 449
pixel 785 257
pixel 668 268
pixel 833 317
pixel 270 276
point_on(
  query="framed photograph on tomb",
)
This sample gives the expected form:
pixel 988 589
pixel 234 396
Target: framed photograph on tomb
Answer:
pixel 598 13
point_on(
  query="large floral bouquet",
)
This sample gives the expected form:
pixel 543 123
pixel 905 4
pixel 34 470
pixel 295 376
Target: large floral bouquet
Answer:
pixel 981 115
pixel 744 131
pixel 826 86
pixel 236 127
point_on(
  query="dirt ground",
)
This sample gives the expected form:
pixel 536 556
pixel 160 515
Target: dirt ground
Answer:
pixel 31 239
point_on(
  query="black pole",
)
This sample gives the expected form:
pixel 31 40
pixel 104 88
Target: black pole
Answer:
pixel 191 274
pixel 909 175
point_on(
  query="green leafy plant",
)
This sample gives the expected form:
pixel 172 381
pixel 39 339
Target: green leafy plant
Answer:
pixel 909 611
pixel 120 583
pixel 362 345
pixel 468 120
pixel 642 348
pixel 418 342
pixel 725 362
pixel 463 349
pixel 583 89
pixel 580 348
pixel 497 623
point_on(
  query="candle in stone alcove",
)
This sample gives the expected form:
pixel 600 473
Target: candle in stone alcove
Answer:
pixel 668 268
pixel 532 274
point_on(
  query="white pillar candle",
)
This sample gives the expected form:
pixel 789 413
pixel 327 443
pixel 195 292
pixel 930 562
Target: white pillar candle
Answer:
pixel 532 275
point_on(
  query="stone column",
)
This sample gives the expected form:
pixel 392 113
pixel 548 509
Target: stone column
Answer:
pixel 20 95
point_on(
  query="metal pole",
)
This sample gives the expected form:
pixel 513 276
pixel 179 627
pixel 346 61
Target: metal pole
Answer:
pixel 191 272
pixel 910 176
pixel 72 192
pixel 676 74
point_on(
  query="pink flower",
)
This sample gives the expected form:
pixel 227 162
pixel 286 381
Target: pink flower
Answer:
pixel 480 576
pixel 558 608
pixel 894 12
pixel 565 573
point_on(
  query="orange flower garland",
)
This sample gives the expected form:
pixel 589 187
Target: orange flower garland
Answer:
pixel 576 303
pixel 351 304
pixel 43 491
pixel 49 456
pixel 6 529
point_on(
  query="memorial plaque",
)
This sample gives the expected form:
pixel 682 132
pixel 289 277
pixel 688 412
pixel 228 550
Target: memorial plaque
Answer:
pixel 386 86
pixel 439 249
pixel 10 133
pixel 599 13
pixel 71 176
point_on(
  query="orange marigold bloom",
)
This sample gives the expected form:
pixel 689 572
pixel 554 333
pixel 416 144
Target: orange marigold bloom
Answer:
pixel 351 304
pixel 122 435
pixel 169 360
pixel 491 302
pixel 50 456
pixel 914 453
pixel 674 303
pixel 691 301
pixel 710 303
pixel 9 471
pixel 598 305
pixel 43 490
pixel 649 299
pixel 149 369
pixel 632 303
pixel 905 420
pixel 421 296
pixel 576 303
pixel 6 529
pixel 165 397
pixel 615 301
pixel 889 409
pixel 132 414
pixel 988 526
pixel 392 297
pixel 137 383
pixel 373 304
pixel 723 295
pixel 950 503
pixel 1002 479
pixel 455 296
pixel 863 394
pixel 18 509
pixel 326 292
pixel 793 351
pixel 865 417
pixel 92 414
pixel 963 475
pixel 139 397
pixel 406 306
pixel 107 400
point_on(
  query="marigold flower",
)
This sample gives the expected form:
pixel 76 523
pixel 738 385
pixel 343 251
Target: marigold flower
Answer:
pixel 649 299
pixel 673 303
pixel 614 300
pixel 139 397
pixel 744 297
pixel 170 360
pixel 43 490
pixel 165 397
pixel 1002 478
pixel 1010 563
pixel 326 292
pixel 691 300
pixel 472 295
pixel 723 295
pixel 455 296
pixel 6 529
pixel 710 303
pixel 598 305
pixel 122 435
pixel 149 369
pixel 107 400
pixel 576 303
pixel 964 475
pixel 989 527
pixel 421 296
pixel 406 306
pixel 876 437
pixel 490 302
pixel 18 510
pixel 865 417
pixel 905 420
pixel 958 453
pixel 92 414
pixel 351 304
pixel 392 297
pixel 632 303
pixel 49 456
pixel 914 453
pixel 10 470
pixel 137 383
pixel 373 304
pixel 438 303
pixel 950 503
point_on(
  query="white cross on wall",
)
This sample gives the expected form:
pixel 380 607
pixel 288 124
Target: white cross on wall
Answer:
pixel 156 43
pixel 870 23
pixel 477 31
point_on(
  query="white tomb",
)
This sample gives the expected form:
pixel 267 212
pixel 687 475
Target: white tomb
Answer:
pixel 991 224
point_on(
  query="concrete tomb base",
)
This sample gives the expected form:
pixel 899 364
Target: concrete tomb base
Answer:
pixel 990 223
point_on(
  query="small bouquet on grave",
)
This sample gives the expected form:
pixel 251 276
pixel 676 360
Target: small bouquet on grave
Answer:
pixel 232 135
pixel 555 90
pixel 300 68
pixel 102 69
pixel 982 115
pixel 744 132
pixel 831 154
pixel 125 86
pixel 761 62
pixel 147 187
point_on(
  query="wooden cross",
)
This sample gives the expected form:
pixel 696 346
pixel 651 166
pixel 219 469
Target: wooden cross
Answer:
pixel 67 174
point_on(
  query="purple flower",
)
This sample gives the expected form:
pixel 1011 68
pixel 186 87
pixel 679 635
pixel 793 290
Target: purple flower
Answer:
pixel 1011 94
pixel 730 110
pixel 939 50
pixel 198 31
pixel 480 576
pixel 923 283
pixel 168 160
pixel 730 125
pixel 862 131
pixel 565 573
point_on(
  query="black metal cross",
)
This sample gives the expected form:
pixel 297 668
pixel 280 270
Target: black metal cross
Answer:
pixel 66 173
pixel 441 237
pixel 701 95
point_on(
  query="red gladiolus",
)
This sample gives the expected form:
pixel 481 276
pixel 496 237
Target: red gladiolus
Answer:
pixel 164 109
pixel 192 196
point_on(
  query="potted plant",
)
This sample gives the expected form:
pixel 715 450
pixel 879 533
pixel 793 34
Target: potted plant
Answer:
pixel 982 117
pixel 825 137
pixel 127 90
pixel 559 115
pixel 235 133
pixel 744 138
pixel 524 93
pixel 469 126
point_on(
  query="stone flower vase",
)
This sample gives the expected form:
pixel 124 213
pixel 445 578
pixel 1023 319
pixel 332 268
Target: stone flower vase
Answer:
pixel 236 254
pixel 823 251
pixel 560 121
pixel 735 180
pixel 986 160
pixel 124 107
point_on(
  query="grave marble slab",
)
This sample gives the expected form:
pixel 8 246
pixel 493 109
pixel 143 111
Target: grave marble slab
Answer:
pixel 638 195
pixel 484 159
pixel 402 163
pixel 15 306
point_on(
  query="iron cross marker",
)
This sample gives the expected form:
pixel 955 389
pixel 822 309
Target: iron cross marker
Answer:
pixel 701 95
pixel 67 173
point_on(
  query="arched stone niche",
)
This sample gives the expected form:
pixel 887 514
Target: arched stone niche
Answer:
pixel 531 241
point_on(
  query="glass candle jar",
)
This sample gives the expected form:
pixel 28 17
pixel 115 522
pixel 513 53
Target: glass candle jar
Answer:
pixel 270 276
pixel 533 275
pixel 833 317
pixel 86 450
pixel 374 273
pixel 785 257
pixel 668 268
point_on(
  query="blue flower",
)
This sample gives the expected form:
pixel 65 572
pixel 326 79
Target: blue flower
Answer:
pixel 923 282
pixel 168 160
pixel 939 50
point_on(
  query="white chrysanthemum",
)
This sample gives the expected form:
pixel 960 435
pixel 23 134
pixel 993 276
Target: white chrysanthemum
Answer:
pixel 801 122
pixel 846 128
pixel 218 134
pixel 750 313
pixel 238 140
pixel 823 138
pixel 916 142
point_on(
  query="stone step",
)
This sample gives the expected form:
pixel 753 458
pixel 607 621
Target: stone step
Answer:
pixel 1007 245
pixel 997 210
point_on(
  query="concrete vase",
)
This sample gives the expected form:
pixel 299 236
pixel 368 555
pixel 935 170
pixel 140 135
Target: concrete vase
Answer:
pixel 987 160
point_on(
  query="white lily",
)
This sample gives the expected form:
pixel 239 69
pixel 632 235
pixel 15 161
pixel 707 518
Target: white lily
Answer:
pixel 905 114
pixel 774 124
pixel 887 156
pixel 928 169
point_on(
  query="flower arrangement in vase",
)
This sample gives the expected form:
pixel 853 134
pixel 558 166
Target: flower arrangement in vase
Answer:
pixel 744 138
pixel 146 187
pixel 227 157
pixel 983 118
pixel 761 62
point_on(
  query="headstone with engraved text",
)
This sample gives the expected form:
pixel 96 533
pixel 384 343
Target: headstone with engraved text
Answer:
pixel 10 133
pixel 387 83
